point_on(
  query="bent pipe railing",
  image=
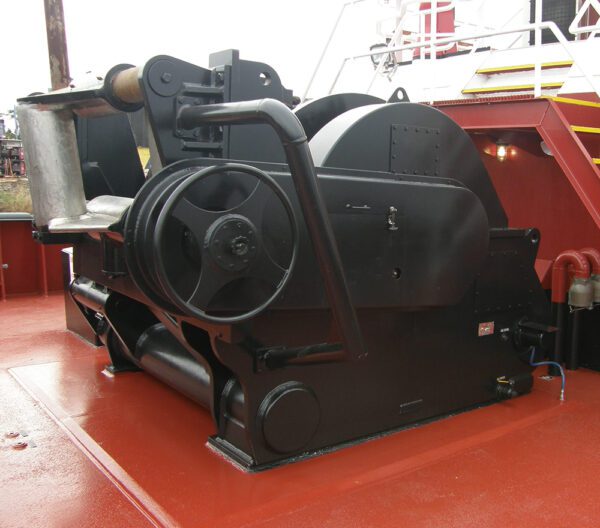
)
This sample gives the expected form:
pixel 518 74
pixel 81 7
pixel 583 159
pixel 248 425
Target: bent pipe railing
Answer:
pixel 294 141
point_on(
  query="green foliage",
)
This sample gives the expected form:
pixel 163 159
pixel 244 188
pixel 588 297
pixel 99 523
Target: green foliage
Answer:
pixel 15 199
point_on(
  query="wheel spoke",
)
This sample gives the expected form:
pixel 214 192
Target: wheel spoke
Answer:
pixel 208 285
pixel 196 219
pixel 267 270
pixel 253 206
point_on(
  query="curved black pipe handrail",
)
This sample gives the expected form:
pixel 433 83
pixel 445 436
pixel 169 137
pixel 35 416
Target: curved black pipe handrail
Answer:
pixel 292 136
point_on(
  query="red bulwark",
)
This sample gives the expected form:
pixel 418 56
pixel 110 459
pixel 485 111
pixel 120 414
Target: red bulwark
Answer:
pixel 27 267
pixel 88 449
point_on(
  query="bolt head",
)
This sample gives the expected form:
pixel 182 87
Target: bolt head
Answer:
pixel 166 77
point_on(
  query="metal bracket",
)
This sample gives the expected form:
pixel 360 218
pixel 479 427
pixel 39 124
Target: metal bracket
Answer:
pixel 206 139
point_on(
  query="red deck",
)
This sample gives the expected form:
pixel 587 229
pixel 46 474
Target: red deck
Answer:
pixel 128 451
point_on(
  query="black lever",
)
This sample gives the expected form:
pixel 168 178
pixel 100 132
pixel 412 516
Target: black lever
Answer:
pixel 292 136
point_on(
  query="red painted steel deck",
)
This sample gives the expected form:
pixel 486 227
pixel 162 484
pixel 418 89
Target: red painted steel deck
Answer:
pixel 128 451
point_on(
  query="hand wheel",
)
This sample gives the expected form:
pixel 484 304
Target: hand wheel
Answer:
pixel 230 243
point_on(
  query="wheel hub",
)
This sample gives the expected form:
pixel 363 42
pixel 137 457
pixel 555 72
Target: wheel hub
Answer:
pixel 232 242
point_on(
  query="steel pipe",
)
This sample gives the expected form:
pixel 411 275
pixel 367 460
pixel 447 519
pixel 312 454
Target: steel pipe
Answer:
pixel 292 136
pixel 581 271
pixel 126 86
pixel 593 256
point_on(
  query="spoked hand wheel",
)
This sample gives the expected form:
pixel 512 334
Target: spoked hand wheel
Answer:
pixel 230 244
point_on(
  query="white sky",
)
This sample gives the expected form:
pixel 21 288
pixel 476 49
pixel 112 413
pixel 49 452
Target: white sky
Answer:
pixel 286 34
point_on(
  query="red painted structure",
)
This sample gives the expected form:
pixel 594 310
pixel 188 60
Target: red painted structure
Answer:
pixel 26 267
pixel 444 26
pixel 91 450
pixel 558 194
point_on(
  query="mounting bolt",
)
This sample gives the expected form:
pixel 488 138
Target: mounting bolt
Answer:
pixel 12 434
pixel 20 445
pixel 166 77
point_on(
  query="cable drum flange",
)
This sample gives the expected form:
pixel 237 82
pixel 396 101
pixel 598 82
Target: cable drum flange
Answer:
pixel 137 224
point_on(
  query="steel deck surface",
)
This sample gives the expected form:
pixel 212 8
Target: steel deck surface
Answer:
pixel 128 451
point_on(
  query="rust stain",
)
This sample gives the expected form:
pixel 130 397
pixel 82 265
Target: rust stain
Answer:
pixel 57 44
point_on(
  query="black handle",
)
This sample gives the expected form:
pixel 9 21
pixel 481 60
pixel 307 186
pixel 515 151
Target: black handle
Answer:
pixel 292 136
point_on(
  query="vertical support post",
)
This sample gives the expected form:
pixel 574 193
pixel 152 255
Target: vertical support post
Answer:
pixel 44 269
pixel 432 51
pixel 572 359
pixel 57 44
pixel 537 73
pixel 2 282
pixel 393 43
pixel 326 47
pixel 559 315
pixel 525 19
